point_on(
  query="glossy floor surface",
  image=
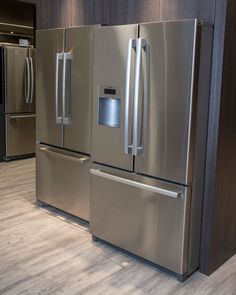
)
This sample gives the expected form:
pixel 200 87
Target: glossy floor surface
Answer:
pixel 43 251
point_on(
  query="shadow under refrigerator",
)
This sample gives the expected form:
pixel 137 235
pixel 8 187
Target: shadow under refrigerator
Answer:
pixel 17 102
pixel 150 112
pixel 64 93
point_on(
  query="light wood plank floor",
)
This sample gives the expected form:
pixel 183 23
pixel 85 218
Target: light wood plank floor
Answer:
pixel 43 251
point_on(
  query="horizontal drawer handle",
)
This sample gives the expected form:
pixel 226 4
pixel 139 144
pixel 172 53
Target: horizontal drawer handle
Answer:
pixel 22 116
pixel 81 160
pixel 136 184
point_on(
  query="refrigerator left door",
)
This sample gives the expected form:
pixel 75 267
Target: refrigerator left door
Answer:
pixel 49 128
pixel 20 134
pixel 16 80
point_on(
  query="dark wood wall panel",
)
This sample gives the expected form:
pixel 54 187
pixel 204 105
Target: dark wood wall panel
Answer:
pixel 53 14
pixel 219 235
pixel 183 9
pixel 134 11
pixel 99 11
pixel 79 12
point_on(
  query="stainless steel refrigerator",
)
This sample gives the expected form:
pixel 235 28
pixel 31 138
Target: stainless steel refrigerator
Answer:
pixel 64 102
pixel 17 102
pixel 150 108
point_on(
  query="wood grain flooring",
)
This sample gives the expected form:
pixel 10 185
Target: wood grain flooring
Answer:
pixel 44 251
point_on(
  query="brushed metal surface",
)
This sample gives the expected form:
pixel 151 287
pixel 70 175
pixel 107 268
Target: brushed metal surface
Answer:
pixel 49 43
pixel 15 67
pixel 20 135
pixel 167 134
pixel 110 63
pixel 79 43
pixel 148 224
pixel 62 181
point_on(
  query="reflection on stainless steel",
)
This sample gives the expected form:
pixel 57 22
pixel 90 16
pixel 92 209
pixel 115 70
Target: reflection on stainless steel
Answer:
pixel 17 80
pixel 147 183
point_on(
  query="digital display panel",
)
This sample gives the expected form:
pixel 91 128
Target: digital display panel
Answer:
pixel 110 91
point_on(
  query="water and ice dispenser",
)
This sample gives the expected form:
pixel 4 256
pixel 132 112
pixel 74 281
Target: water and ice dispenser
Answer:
pixel 109 107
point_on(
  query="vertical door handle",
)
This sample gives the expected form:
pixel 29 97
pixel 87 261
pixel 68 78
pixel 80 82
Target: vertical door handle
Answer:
pixel 27 80
pixel 131 45
pixel 140 45
pixel 65 118
pixel 59 57
pixel 31 80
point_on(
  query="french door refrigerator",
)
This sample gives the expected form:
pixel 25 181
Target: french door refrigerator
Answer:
pixel 17 102
pixel 64 93
pixel 150 105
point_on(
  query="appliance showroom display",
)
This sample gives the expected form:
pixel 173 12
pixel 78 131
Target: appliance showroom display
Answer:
pixel 150 111
pixel 17 102
pixel 64 106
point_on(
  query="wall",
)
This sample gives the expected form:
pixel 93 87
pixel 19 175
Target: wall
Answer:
pixel 219 220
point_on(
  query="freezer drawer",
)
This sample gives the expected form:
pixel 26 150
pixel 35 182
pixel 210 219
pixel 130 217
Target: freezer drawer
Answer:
pixel 20 134
pixel 144 216
pixel 63 180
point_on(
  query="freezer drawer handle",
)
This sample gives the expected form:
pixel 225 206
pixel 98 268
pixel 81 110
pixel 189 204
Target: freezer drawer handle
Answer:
pixel 59 57
pixel 81 160
pixel 131 45
pixel 136 184
pixel 22 116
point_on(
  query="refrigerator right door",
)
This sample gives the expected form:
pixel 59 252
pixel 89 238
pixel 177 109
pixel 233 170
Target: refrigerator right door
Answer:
pixel 50 48
pixel 78 102
pixel 166 134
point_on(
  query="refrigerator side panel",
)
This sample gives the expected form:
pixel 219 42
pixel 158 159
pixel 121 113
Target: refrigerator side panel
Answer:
pixel 78 102
pixel 109 89
pixel 16 82
pixel 32 102
pixel 167 121
pixel 49 44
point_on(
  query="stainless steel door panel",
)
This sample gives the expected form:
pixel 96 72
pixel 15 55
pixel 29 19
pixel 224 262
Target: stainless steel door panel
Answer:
pixel 49 44
pixel 79 44
pixel 63 180
pixel 110 65
pixel 15 87
pixel 20 134
pixel 32 58
pixel 151 224
pixel 168 128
